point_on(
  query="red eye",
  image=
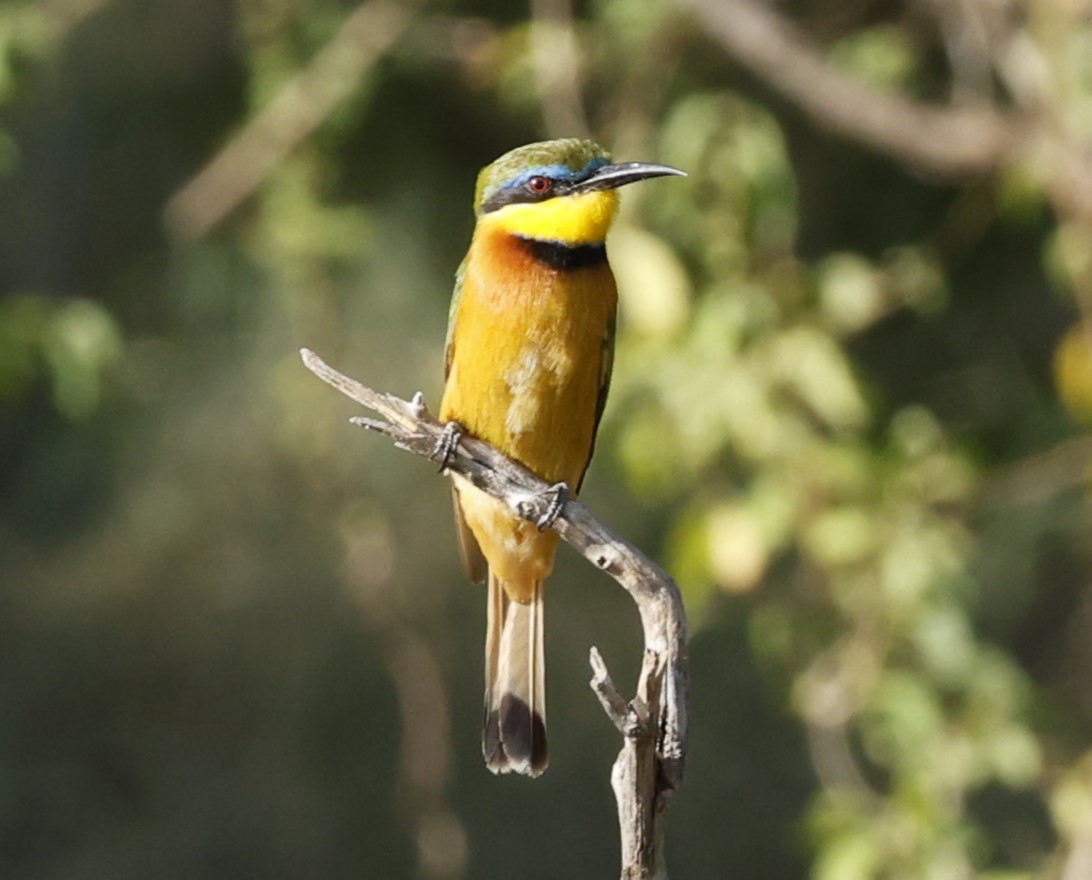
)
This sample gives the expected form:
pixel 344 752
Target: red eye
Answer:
pixel 539 186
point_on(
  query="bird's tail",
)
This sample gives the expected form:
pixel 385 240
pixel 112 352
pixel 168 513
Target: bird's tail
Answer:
pixel 514 734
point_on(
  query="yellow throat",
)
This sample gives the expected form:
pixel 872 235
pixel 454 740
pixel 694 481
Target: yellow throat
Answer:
pixel 569 220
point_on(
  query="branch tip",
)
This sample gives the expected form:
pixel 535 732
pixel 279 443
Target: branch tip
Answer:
pixel 598 664
pixel 385 428
pixel 617 709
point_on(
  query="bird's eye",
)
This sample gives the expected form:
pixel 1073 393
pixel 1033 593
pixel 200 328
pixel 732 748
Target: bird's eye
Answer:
pixel 539 186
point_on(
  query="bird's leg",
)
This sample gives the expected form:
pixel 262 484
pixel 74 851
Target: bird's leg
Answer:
pixel 447 443
pixel 557 494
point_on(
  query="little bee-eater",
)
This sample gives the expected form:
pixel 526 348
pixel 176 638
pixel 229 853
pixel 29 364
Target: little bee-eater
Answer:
pixel 529 349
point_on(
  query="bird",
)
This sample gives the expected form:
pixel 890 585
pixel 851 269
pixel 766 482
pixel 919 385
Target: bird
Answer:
pixel 527 366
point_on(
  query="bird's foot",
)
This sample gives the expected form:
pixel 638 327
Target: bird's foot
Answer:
pixel 446 444
pixel 558 494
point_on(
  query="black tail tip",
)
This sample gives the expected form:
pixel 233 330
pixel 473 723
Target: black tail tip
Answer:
pixel 514 738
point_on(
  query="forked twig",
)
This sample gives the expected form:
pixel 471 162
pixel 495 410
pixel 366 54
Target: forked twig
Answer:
pixel 654 723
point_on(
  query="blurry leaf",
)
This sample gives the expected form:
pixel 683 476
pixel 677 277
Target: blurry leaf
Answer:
pixel 1014 756
pixel 514 69
pixel 26 32
pixel 77 340
pixel 915 431
pixel 811 364
pixel 911 564
pixel 946 644
pixel 737 550
pixel 914 278
pixel 842 536
pixel 881 55
pixel 905 718
pixel 849 292
pixel 1071 801
pixel 1069 256
pixel 997 689
pixel 1073 371
pixel 689 562
pixel 23 320
pixel 841 471
pixel 81 343
pixel 849 856
pixel 633 21
pixel 1021 194
pixel 647 451
pixel 741 192
pixel 773 500
pixel 653 286
pixel 303 227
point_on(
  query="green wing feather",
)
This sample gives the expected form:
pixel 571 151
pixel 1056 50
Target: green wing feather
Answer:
pixel 473 560
pixel 456 296
pixel 606 367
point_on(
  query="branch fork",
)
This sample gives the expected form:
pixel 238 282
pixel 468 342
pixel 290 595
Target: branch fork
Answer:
pixel 654 723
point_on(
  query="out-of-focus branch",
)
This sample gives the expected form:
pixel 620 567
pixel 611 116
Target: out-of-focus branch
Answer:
pixel 556 58
pixel 293 114
pixel 416 673
pixel 944 141
pixel 654 723
pixel 66 14
pixel 1038 478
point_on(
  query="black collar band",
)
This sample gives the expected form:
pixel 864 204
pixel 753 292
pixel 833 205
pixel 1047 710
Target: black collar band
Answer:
pixel 564 257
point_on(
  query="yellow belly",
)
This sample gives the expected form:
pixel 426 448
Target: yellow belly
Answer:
pixel 517 552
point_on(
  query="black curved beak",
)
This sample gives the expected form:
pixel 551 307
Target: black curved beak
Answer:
pixel 613 176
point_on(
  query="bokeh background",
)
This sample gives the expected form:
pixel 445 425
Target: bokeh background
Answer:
pixel 850 415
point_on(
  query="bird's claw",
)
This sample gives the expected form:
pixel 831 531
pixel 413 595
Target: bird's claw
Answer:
pixel 446 444
pixel 558 495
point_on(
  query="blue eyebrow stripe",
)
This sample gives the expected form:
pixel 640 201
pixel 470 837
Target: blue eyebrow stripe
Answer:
pixel 557 172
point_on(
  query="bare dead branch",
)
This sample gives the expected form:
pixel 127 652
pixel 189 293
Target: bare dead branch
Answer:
pixel 555 55
pixel 294 113
pixel 1039 477
pixel 945 141
pixel 66 14
pixel 654 724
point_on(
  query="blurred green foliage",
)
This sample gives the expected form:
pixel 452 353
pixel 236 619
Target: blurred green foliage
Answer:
pixel 850 415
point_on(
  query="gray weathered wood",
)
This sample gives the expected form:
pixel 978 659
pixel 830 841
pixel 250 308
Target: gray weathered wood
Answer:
pixel 654 723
